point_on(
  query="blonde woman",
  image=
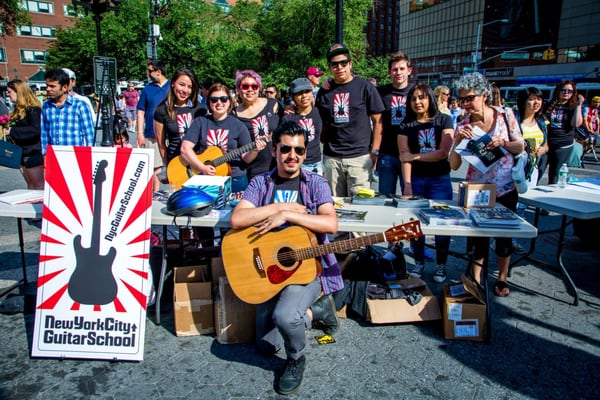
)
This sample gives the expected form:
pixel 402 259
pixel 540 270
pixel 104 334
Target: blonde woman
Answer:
pixel 26 131
pixel 442 95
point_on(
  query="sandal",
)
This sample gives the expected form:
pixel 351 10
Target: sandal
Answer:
pixel 501 289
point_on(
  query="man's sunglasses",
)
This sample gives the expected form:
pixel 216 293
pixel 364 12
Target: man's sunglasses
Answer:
pixel 269 92
pixel 285 149
pixel 335 64
pixel 246 86
pixel 222 99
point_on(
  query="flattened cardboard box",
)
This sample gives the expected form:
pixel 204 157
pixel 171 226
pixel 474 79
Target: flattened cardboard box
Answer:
pixel 464 311
pixel 476 194
pixel 399 310
pixel 235 321
pixel 192 301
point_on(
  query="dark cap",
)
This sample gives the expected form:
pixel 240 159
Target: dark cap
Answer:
pixel 337 49
pixel 300 85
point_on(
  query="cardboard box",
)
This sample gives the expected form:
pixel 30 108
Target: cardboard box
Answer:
pixel 474 194
pixel 399 310
pixel 464 311
pixel 235 321
pixel 218 187
pixel 192 301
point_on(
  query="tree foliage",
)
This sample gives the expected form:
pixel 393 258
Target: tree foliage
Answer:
pixel 11 15
pixel 278 39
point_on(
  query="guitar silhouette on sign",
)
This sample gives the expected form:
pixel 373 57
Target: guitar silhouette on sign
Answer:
pixel 92 281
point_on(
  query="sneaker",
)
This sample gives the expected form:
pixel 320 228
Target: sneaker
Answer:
pixel 518 249
pixel 290 380
pixel 417 270
pixel 439 275
pixel 324 315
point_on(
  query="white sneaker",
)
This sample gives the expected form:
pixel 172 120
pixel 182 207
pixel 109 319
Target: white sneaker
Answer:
pixel 417 270
pixel 439 275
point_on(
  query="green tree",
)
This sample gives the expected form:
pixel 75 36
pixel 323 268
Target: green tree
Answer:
pixel 11 15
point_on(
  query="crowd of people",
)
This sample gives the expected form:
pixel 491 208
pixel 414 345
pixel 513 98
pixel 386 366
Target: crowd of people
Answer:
pixel 319 140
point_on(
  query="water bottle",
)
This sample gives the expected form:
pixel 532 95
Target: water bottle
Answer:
pixel 562 176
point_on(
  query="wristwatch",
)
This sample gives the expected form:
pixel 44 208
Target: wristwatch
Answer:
pixel 375 152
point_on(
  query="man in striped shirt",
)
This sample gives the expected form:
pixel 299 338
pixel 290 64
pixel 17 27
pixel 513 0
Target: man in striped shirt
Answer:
pixel 66 120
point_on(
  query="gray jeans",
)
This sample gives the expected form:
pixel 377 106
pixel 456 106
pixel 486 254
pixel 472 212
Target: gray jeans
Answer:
pixel 282 321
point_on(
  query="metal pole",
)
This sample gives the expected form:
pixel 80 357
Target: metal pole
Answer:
pixel 339 21
pixel 476 47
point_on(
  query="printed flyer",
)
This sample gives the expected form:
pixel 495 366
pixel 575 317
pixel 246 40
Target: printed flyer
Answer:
pixel 94 274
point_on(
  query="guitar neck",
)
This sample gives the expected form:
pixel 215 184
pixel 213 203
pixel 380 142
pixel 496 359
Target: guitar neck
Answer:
pixel 339 246
pixel 234 154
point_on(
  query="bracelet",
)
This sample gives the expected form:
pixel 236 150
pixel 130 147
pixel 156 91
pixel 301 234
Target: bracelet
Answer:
pixel 375 152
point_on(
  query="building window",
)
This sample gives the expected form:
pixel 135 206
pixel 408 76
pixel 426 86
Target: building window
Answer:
pixel 33 56
pixel 35 31
pixel 2 55
pixel 39 6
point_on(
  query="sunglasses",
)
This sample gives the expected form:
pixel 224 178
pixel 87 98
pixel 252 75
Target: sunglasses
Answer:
pixel 246 86
pixel 335 64
pixel 222 99
pixel 567 91
pixel 467 99
pixel 269 92
pixel 446 94
pixel 151 71
pixel 285 149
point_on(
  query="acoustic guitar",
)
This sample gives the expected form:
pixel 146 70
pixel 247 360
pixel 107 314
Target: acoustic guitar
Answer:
pixel 259 266
pixel 179 171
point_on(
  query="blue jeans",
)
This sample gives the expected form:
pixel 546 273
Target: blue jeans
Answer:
pixel 389 172
pixel 434 188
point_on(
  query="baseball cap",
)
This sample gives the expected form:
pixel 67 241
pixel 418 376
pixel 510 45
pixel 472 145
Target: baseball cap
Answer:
pixel 596 99
pixel 313 71
pixel 70 73
pixel 300 85
pixel 336 49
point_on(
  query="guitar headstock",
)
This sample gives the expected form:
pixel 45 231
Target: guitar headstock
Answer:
pixel 407 231
pixel 100 174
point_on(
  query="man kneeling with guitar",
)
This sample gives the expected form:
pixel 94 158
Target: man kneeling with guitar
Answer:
pixel 287 196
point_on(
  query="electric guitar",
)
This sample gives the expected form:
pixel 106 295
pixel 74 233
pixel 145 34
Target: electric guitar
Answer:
pixel 179 171
pixel 92 282
pixel 259 266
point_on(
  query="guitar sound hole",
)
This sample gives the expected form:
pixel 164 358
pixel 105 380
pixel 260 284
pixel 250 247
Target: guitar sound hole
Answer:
pixel 286 257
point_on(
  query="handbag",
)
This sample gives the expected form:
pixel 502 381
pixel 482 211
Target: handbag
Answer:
pixel 10 154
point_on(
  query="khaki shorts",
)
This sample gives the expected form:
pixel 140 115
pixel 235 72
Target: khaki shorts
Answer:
pixel 347 175
pixel 152 143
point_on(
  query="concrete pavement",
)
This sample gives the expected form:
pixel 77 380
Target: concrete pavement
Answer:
pixel 542 346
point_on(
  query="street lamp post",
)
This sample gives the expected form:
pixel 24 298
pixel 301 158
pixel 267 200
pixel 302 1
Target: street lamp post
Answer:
pixel 478 39
pixel 99 7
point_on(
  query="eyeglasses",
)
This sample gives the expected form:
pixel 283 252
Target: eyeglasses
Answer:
pixel 269 92
pixel 222 99
pixel 246 86
pixel 566 91
pixel 335 64
pixel 467 99
pixel 285 149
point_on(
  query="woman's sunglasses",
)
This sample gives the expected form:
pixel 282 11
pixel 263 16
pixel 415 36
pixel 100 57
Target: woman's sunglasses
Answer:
pixel 246 86
pixel 285 149
pixel 222 99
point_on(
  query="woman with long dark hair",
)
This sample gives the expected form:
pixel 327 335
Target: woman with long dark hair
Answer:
pixel 564 114
pixel 533 125
pixel 26 131
pixel 424 140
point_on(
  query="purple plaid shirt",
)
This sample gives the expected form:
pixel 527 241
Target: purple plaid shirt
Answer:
pixel 315 191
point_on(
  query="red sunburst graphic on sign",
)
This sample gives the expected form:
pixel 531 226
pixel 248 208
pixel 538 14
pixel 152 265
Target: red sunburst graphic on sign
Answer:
pixel 95 234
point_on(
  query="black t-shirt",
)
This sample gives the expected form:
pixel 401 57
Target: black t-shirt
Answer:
pixel 346 113
pixel 228 134
pixel 174 129
pixel 312 123
pixel 560 131
pixel 259 126
pixel 425 137
pixel 395 102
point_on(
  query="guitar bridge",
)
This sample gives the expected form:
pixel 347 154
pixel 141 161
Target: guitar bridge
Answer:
pixel 258 261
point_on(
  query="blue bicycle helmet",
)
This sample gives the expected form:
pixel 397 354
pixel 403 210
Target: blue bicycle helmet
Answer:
pixel 189 201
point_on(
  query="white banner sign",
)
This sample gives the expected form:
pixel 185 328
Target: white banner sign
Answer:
pixel 94 273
